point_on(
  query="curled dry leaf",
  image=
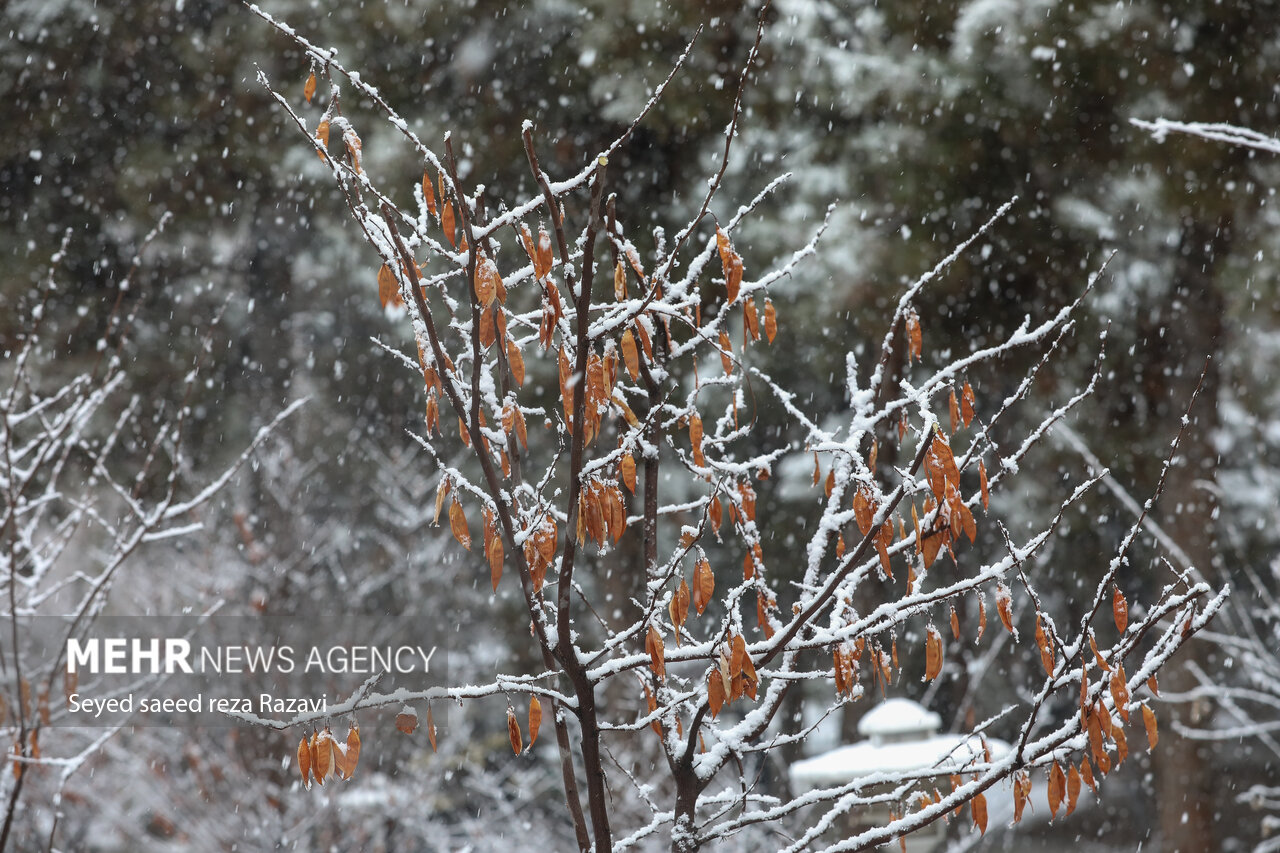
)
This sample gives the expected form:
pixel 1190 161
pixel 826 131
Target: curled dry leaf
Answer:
pixel 322 136
pixel 1120 610
pixel 704 584
pixel 978 807
pixel 932 653
pixel 431 729
pixel 630 355
pixel 654 648
pixel 353 752
pixel 1153 731
pixel 1073 787
pixel 309 90
pixel 695 439
pixel 407 719
pixel 535 720
pixel 429 194
pixel 770 320
pixel 982 484
pixel 458 524
pixel 619 281
pixel 1004 606
pixel 715 691
pixel 627 472
pixel 1120 691
pixel 513 731
pixel 1057 787
pixel 448 225
pixel 388 288
pixel 304 761
pixel 516 359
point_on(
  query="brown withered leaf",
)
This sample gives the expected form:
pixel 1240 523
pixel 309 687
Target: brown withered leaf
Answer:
pixel 1086 773
pixel 1042 643
pixel 1153 731
pixel 448 225
pixel 431 729
pixel 535 720
pixel 733 278
pixel 955 623
pixel 1153 686
pixel 429 194
pixel 1120 691
pixel 978 808
pixel 750 321
pixel 915 344
pixel 770 320
pixel 982 484
pixel 953 412
pixel 1004 606
pixel 704 584
pixel 653 647
pixel 1021 787
pixel 388 288
pixel 407 720
pixel 695 439
pixel 1057 787
pixel 322 135
pixel 458 524
pixel 678 607
pixel 322 757
pixel 513 731
pixel 309 90
pixel 1073 787
pixel 715 691
pixel 652 704
pixel 630 356
pixel 726 352
pixel 627 472
pixel 932 653
pixel 543 260
pixel 619 281
pixel 304 761
pixel 494 553
pixel 1120 610
pixel 352 757
pixel 486 282
pixel 966 404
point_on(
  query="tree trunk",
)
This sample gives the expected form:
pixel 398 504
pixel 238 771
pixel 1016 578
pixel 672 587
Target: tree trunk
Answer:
pixel 1187 511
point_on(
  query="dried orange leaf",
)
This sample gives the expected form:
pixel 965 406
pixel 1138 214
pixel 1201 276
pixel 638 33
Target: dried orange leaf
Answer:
pixel 428 193
pixel 619 281
pixel 1153 731
pixel 932 653
pixel 322 135
pixel 695 439
pixel 630 356
pixel 770 320
pixel 1073 788
pixel 1057 787
pixel 447 223
pixel 431 729
pixel 982 484
pixel 353 752
pixel 978 807
pixel 653 647
pixel 458 524
pixel 535 720
pixel 304 761
pixel 704 584
pixel 407 719
pixel 513 732
pixel 309 90
pixel 1120 610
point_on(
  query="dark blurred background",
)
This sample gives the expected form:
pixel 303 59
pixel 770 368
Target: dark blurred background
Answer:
pixel 916 118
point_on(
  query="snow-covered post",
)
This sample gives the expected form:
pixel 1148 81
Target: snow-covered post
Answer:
pixel 603 387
